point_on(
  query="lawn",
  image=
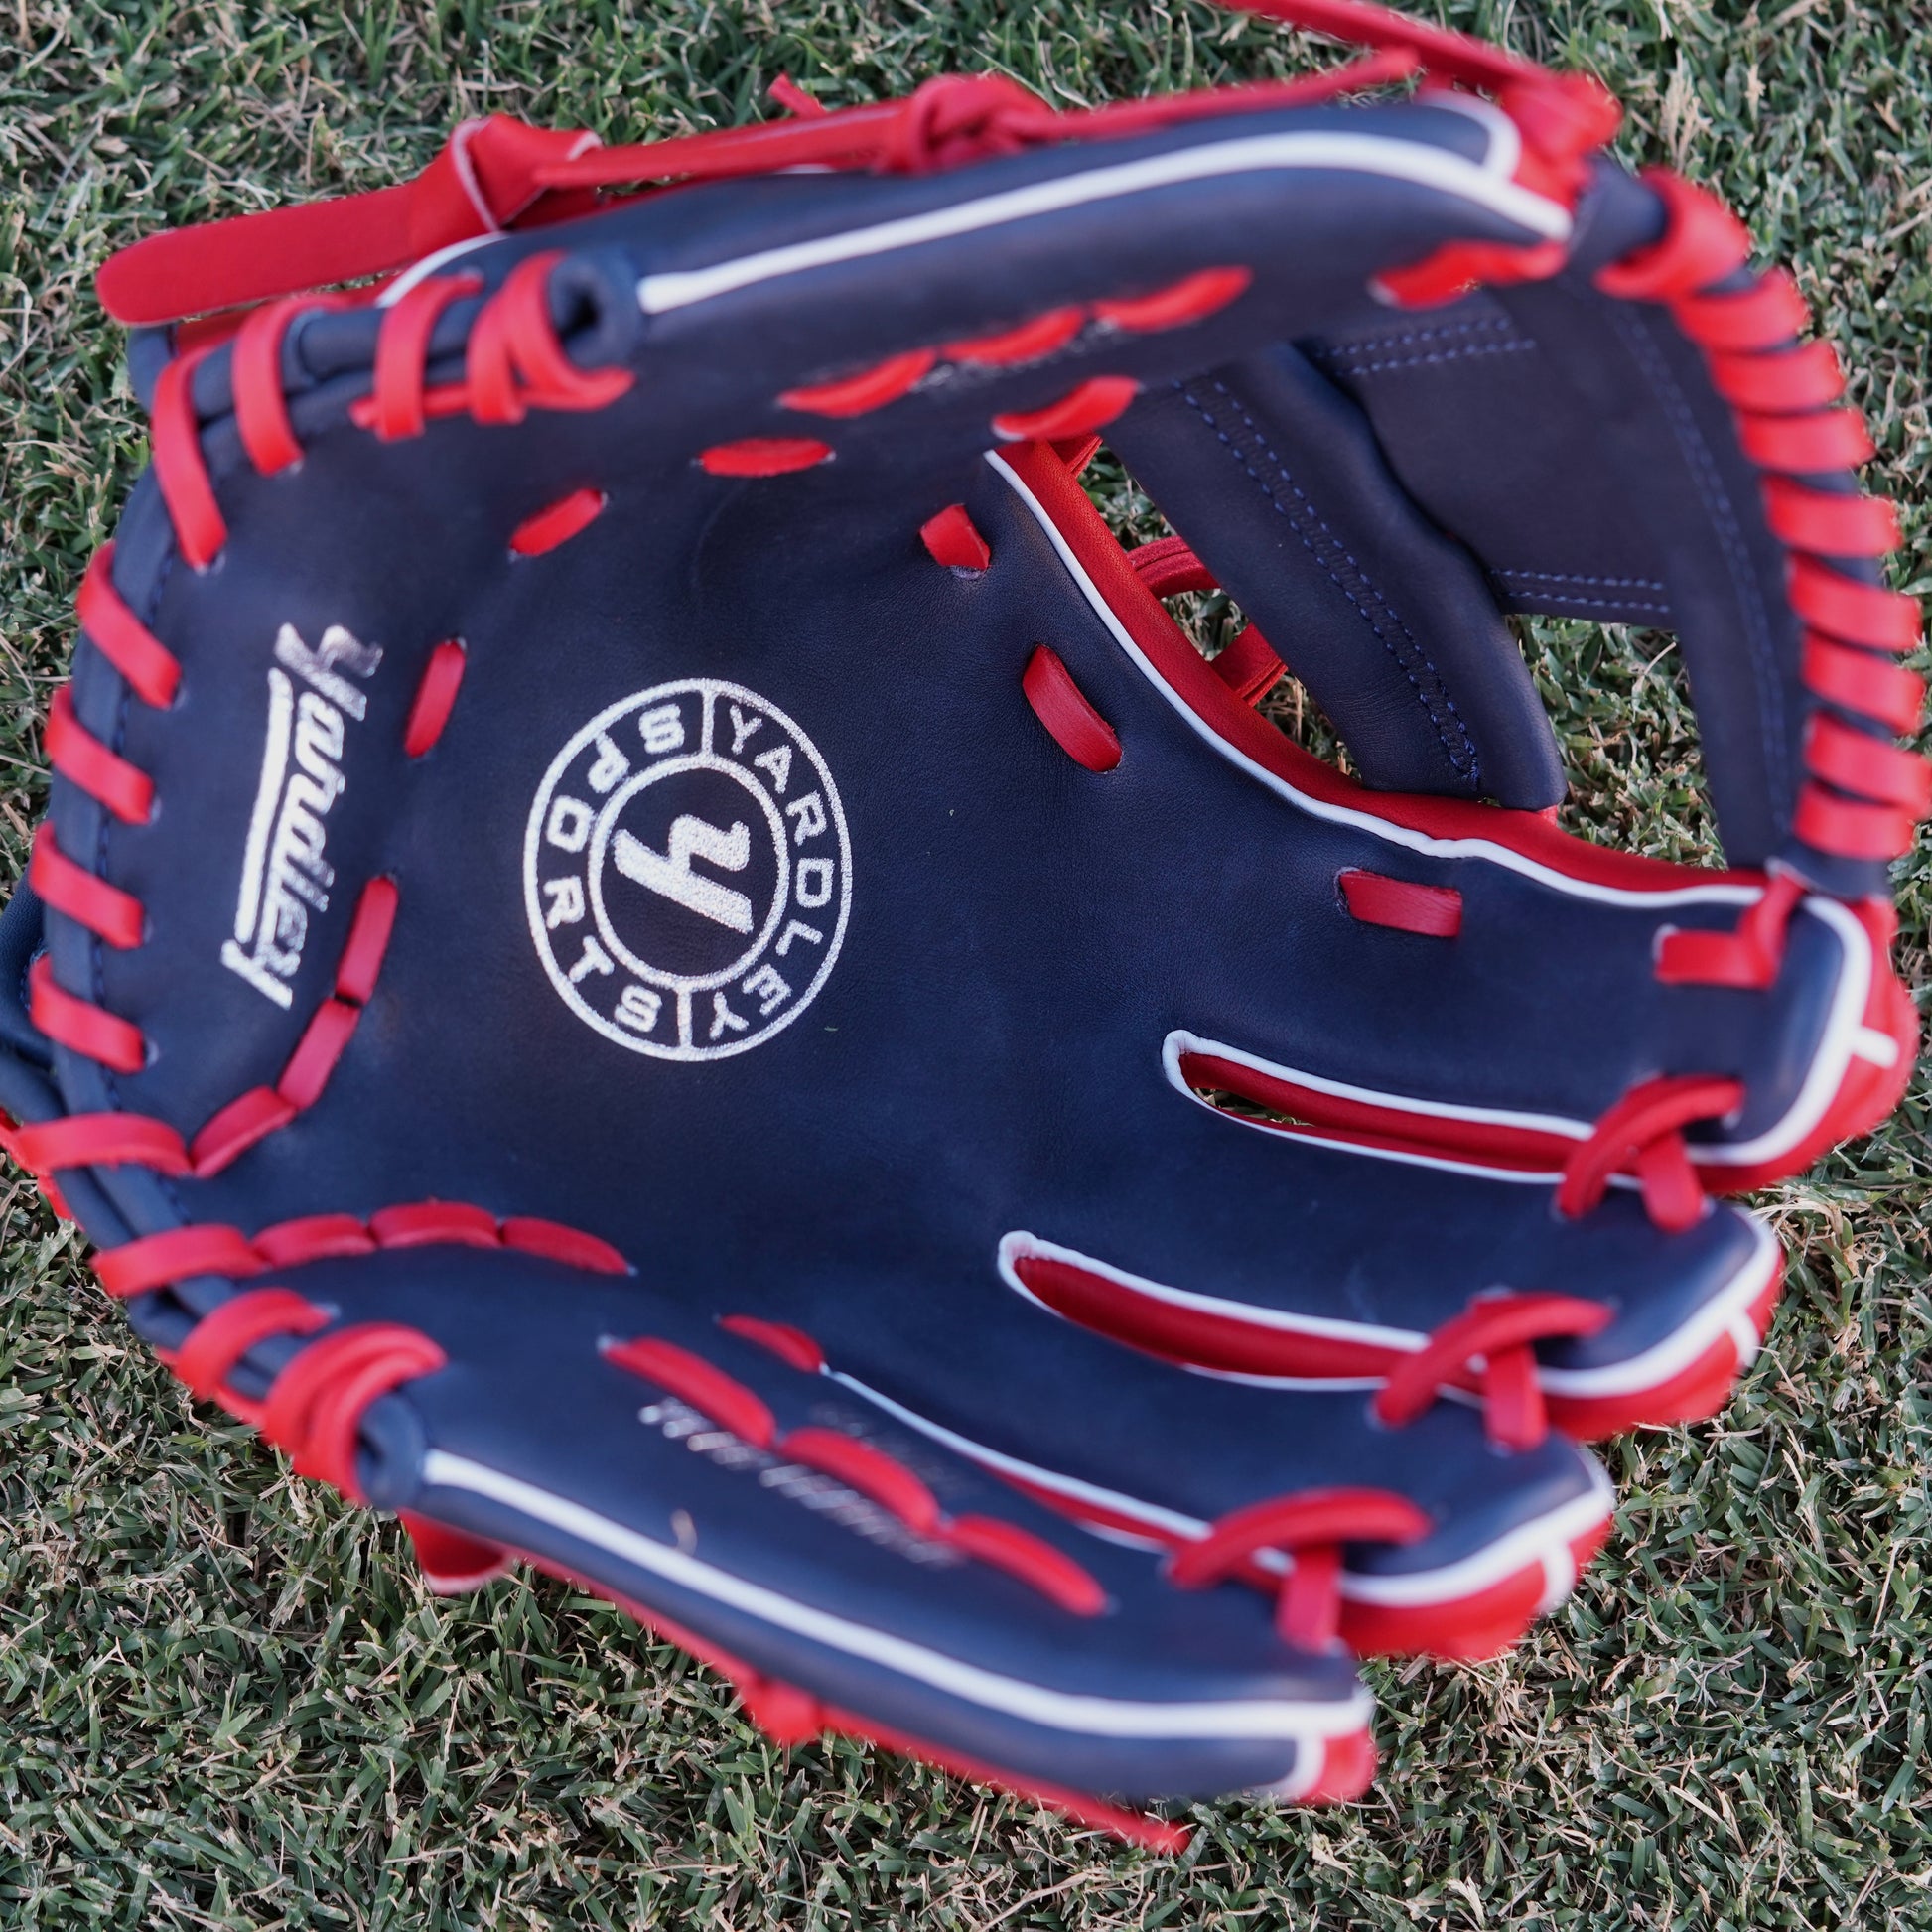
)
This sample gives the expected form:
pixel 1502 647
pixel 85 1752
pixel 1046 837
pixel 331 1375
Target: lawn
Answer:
pixel 225 1699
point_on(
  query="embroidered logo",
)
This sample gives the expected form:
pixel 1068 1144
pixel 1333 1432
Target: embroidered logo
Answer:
pixel 686 870
pixel 285 870
pixel 811 1489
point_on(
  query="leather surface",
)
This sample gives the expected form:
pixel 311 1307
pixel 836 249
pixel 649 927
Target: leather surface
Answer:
pixel 985 1055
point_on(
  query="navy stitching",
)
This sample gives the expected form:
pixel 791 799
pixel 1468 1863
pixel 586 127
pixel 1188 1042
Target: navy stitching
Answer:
pixel 1309 525
pixel 1736 554
pixel 1367 345
pixel 1343 368
pixel 1598 602
pixel 1577 577
pixel 1537 584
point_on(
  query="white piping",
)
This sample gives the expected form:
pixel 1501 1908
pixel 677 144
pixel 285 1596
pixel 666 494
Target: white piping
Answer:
pixel 1368 1151
pixel 1528 1541
pixel 421 271
pixel 1484 182
pixel 1181 1042
pixel 1725 1313
pixel 1152 1514
pixel 1880 1049
pixel 1020 1246
pixel 1506 137
pixel 1084 1713
pixel 1843 1026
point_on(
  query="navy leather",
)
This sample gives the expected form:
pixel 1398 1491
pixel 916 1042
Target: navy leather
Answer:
pixel 1024 936
pixel 1285 494
pixel 1483 408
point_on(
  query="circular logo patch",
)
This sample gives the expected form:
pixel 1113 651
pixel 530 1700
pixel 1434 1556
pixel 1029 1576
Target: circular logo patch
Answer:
pixel 687 871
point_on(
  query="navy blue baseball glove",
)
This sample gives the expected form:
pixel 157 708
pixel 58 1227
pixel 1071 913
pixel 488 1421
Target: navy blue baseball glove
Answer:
pixel 651 949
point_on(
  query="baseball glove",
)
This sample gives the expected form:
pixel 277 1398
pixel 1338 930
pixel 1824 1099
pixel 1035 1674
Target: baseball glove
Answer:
pixel 651 949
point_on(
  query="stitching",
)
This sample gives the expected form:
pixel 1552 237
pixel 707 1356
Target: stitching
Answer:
pixel 1339 359
pixel 1578 576
pixel 1604 603
pixel 1315 536
pixel 1535 583
pixel 1731 539
pixel 1437 332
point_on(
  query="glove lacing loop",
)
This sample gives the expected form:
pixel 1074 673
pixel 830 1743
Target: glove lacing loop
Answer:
pixel 1861 795
pixel 515 362
pixel 314 1406
pixel 317 1401
pixel 217 1343
pixel 957 118
pixel 1491 1342
pixel 1645 1131
pixel 1311 1529
pixel 495 173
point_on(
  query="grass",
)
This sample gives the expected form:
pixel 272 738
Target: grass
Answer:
pixel 226 1702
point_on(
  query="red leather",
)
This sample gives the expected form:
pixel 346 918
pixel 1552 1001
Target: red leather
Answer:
pixel 1433 911
pixel 1063 707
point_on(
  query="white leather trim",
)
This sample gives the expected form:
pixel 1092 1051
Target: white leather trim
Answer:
pixel 1485 183
pixel 1843 1026
pixel 1019 1245
pixel 1079 1712
pixel 1532 1542
pixel 1723 1314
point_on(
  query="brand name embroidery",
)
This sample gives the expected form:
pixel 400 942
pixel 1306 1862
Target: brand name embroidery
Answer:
pixel 810 1488
pixel 285 870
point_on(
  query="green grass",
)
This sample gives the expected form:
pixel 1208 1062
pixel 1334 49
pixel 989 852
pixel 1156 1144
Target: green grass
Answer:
pixel 226 1702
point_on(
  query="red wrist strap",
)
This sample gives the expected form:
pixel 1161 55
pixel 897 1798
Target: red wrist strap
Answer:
pixel 489 175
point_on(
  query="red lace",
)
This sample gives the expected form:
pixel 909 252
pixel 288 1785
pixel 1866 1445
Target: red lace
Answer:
pixel 153 1261
pixel 1749 955
pixel 953 538
pixel 496 173
pixel 256 373
pixel 1067 711
pixel 1248 665
pixel 435 698
pixel 83 761
pixel 1490 1345
pixel 83 1028
pixel 1312 1528
pixel 1644 1132
pixel 107 911
pixel 1073 421
pixel 398 403
pixel 219 1341
pixel 152 672
pixel 118 918
pixel 316 1403
pixel 1863 795
pixel 314 1406
pixel 514 364
pixel 861 1467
